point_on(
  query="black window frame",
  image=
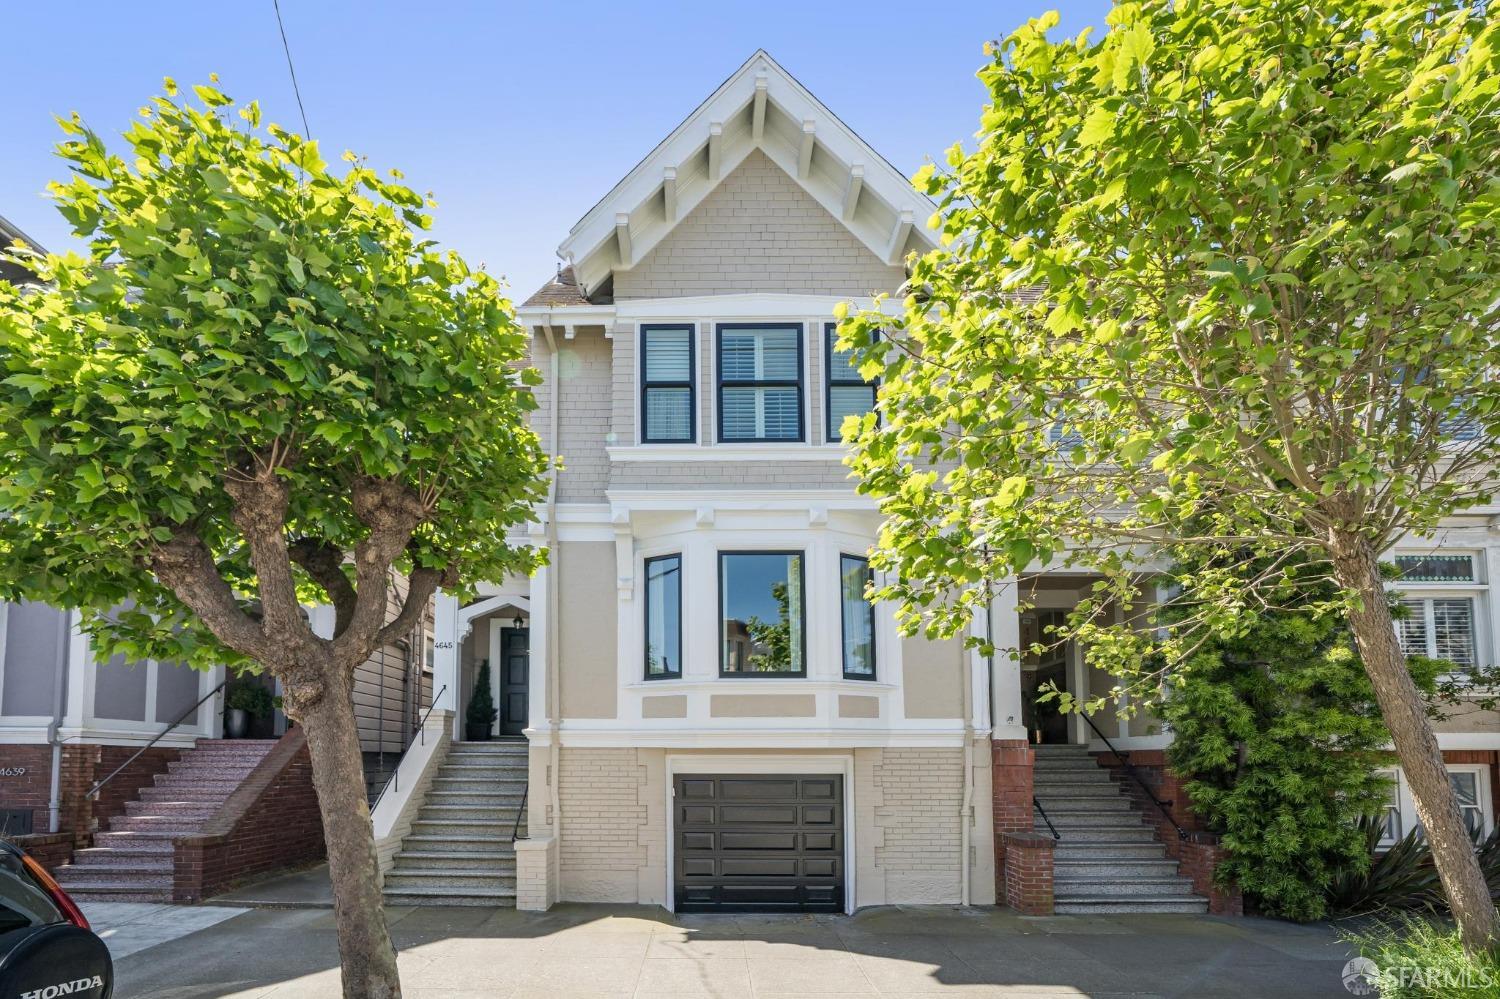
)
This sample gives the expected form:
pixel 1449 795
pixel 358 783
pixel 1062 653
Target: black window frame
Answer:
pixel 801 617
pixel 843 623
pixel 799 384
pixel 691 384
pixel 831 432
pixel 646 618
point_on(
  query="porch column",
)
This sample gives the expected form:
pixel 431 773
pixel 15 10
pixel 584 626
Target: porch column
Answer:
pixel 1010 754
pixel 445 644
pixel 1005 689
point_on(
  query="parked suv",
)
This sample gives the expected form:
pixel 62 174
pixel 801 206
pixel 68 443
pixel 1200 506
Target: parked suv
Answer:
pixel 46 946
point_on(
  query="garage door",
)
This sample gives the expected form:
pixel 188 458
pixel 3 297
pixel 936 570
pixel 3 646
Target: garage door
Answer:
pixel 758 843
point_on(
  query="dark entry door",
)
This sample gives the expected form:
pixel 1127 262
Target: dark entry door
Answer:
pixel 515 672
pixel 753 843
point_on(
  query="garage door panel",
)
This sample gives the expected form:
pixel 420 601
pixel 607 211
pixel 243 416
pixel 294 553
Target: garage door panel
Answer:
pixel 754 843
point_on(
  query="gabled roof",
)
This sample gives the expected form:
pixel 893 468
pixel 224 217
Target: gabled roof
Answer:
pixel 761 106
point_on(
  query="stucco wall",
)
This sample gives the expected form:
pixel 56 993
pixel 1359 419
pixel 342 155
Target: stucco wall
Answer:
pixel 758 231
pixel 933 677
pixel 587 628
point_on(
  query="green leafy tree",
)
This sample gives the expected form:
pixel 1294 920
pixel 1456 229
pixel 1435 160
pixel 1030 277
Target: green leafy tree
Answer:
pixel 1223 281
pixel 262 388
pixel 774 639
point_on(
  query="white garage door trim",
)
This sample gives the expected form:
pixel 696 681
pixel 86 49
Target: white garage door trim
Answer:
pixel 699 764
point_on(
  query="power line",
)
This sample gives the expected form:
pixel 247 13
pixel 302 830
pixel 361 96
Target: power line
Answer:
pixel 296 91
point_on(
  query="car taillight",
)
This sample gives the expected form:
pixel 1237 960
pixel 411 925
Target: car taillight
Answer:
pixel 52 888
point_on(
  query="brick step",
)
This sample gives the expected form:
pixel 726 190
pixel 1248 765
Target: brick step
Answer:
pixel 483 861
pixel 1137 903
pixel 74 875
pixel 120 892
pixel 1107 851
pixel 174 825
pixel 445 842
pixel 1090 888
pixel 192 809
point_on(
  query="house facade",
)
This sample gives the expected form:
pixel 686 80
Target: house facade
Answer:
pixel 711 716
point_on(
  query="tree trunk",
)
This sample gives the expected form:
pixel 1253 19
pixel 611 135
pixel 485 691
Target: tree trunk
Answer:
pixel 367 958
pixel 1357 569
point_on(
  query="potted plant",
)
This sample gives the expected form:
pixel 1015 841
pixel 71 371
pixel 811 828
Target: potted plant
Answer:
pixel 481 713
pixel 245 701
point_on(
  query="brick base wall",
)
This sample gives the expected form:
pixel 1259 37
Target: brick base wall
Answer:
pixel 1028 873
pixel 82 766
pixel 1200 854
pixel 51 850
pixel 271 821
pixel 1011 792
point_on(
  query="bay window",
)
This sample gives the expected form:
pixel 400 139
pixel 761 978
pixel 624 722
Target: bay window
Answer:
pixel 1471 785
pixel 761 614
pixel 664 617
pixel 760 382
pixel 667 410
pixel 848 394
pixel 858 632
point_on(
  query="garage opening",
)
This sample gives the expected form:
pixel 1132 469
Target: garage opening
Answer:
pixel 758 843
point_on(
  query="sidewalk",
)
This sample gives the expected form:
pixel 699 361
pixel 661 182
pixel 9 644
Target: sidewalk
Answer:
pixel 619 952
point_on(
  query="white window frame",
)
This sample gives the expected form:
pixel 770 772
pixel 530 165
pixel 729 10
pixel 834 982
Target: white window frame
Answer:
pixel 1476 591
pixel 1407 810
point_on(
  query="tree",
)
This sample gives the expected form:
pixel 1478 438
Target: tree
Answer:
pixel 261 389
pixel 1223 281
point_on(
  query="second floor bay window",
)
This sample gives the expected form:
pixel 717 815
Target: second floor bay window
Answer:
pixel 760 382
pixel 848 393
pixel 1440 595
pixel 663 617
pixel 762 630
pixel 667 413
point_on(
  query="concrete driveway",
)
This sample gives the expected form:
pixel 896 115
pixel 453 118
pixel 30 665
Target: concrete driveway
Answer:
pixel 611 952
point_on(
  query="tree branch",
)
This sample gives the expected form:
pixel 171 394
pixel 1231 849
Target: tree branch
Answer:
pixel 324 563
pixel 421 585
pixel 185 566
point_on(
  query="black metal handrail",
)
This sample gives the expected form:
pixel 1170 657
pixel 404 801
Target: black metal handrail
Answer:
pixel 421 737
pixel 1165 806
pixel 133 756
pixel 1050 827
pixel 515 830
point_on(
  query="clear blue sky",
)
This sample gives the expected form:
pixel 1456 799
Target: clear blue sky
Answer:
pixel 517 116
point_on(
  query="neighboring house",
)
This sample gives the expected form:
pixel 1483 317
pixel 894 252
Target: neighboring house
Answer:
pixel 716 720
pixel 9 236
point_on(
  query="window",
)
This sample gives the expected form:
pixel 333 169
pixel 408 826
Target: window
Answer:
pixel 760 382
pixel 667 385
pixel 848 393
pixel 1441 619
pixel 858 618
pixel 1470 784
pixel 761 614
pixel 664 617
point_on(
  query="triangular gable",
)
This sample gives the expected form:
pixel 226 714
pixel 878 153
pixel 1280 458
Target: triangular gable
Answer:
pixel 760 107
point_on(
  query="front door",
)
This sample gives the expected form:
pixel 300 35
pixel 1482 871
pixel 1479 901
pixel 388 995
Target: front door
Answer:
pixel 515 673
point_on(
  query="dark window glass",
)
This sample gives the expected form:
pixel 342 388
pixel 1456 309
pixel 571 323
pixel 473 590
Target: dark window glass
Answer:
pixel 663 617
pixel 848 393
pixel 859 618
pixel 1436 568
pixel 23 903
pixel 760 383
pixel 761 608
pixel 667 384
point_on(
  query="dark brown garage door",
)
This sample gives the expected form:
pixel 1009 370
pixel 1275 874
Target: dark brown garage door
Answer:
pixel 753 843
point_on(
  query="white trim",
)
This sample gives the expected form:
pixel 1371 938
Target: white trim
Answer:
pixel 673 735
pixel 770 306
pixel 1407 809
pixel 842 764
pixel 830 453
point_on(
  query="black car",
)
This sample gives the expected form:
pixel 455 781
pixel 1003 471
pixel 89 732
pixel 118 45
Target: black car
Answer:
pixel 47 950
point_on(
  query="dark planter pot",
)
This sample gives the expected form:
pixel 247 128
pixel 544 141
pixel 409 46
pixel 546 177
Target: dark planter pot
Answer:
pixel 476 732
pixel 236 723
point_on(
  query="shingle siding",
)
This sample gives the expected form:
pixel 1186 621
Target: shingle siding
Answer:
pixel 758 231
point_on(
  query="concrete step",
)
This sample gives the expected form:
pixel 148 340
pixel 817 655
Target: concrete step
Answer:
pixel 481 785
pixel 197 782
pixel 1108 851
pixel 483 861
pixel 1085 805
pixel 1099 834
pixel 450 878
pixel 188 809
pixel 175 825
pixel 1093 818
pixel 458 827
pixel 1153 887
pixel 482 799
pixel 499 897
pixel 141 842
pixel 213 795
pixel 124 856
pixel 485 814
pixel 1138 903
pixel 1089 866
pixel 74 875
pixel 445 842
pixel 119 893
pixel 1064 779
